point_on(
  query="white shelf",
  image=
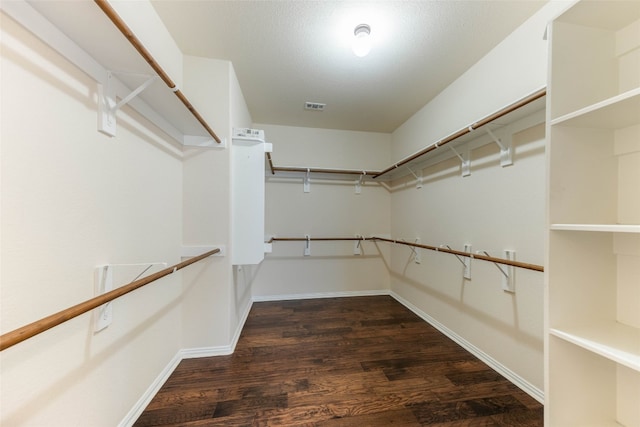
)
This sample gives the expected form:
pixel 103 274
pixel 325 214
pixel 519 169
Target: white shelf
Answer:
pixel 610 228
pixel 96 46
pixel 614 113
pixel 612 340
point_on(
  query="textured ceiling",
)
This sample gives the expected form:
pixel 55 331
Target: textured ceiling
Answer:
pixel 288 52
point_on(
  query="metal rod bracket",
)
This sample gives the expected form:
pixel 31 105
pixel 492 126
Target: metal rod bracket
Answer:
pixel 107 105
pixel 467 262
pixel 508 271
pixel 417 176
pixel 307 245
pixel 506 148
pixel 103 315
pixel 359 183
pixel 465 163
pixel 306 184
pixel 357 245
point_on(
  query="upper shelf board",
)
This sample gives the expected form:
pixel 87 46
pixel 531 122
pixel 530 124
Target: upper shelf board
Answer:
pixel 605 228
pixel 96 35
pixel 614 113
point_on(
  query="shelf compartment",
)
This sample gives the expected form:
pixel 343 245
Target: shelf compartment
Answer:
pixel 594 174
pixel 612 340
pixel 587 389
pixel 594 56
pixel 595 276
pixel 606 228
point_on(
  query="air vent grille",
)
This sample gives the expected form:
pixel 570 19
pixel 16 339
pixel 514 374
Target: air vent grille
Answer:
pixel 314 106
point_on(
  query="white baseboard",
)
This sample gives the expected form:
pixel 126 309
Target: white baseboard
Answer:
pixel 185 353
pixel 516 379
pixel 146 397
pixel 287 297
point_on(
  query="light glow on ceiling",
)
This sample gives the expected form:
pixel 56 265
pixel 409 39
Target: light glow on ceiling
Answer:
pixel 353 14
pixel 361 40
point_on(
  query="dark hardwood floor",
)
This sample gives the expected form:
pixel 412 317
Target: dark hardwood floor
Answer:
pixel 359 361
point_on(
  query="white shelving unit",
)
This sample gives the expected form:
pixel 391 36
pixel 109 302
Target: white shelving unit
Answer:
pixel 593 266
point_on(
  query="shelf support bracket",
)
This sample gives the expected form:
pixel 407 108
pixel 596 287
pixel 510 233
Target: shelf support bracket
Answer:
pixel 306 184
pixel 417 256
pixel 466 163
pixel 107 105
pixel 307 245
pixel 103 315
pixel 359 183
pixel 465 261
pixel 506 149
pixel 418 177
pixel 414 251
pixel 508 279
pixel 357 246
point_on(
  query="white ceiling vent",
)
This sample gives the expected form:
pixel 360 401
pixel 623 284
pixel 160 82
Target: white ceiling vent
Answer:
pixel 314 106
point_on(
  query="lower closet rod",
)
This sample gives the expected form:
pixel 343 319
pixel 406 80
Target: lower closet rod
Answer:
pixel 304 239
pixel 519 264
pixel 503 261
pixel 32 329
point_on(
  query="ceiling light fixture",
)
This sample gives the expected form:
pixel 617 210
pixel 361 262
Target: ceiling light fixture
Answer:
pixel 362 40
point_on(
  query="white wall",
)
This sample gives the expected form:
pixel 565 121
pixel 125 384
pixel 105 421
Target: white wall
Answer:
pixel 72 199
pixel 330 209
pixel 206 195
pixel 216 299
pixel 493 209
pixel 240 295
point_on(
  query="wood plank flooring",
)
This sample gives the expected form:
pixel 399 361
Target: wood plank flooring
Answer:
pixel 338 362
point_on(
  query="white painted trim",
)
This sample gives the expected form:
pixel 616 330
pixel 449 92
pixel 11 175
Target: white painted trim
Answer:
pixel 137 409
pixel 185 353
pixel 243 320
pixel 516 379
pixel 287 297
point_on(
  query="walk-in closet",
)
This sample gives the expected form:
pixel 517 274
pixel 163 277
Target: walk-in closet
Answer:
pixel 334 213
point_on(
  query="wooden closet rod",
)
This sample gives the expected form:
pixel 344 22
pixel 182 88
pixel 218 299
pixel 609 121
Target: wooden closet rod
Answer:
pixel 503 261
pixel 510 108
pixel 304 239
pixel 319 170
pixel 135 42
pixel 270 163
pixel 18 335
pixel 519 264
